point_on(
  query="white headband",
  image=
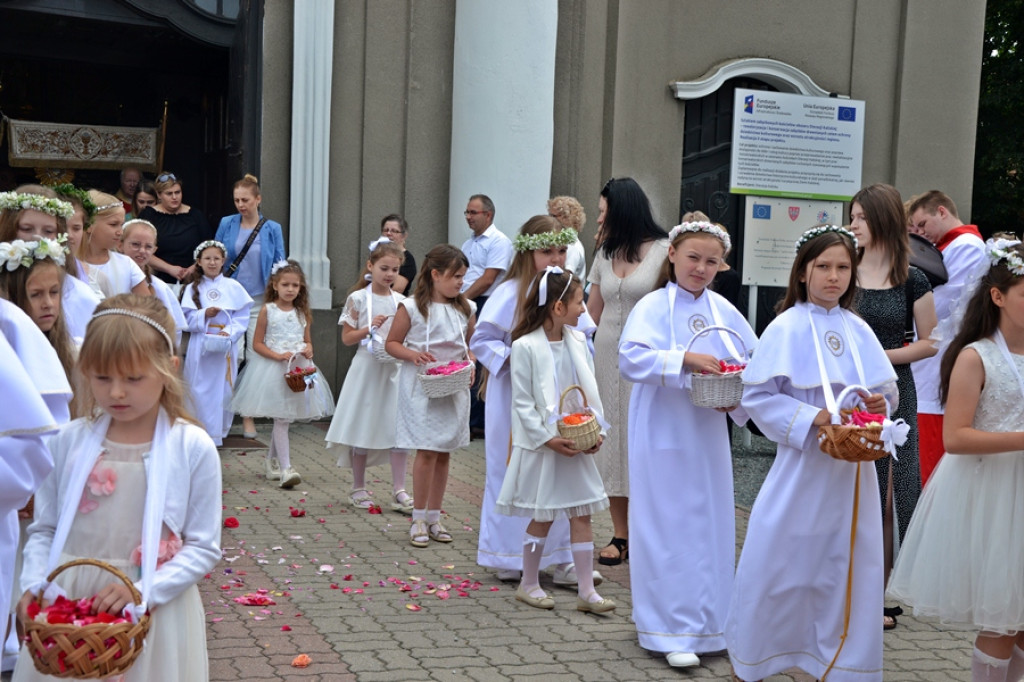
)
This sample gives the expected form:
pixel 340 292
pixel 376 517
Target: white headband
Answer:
pixel 139 316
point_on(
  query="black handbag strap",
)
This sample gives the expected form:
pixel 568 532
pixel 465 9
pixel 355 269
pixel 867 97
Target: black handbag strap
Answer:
pixel 908 325
pixel 245 249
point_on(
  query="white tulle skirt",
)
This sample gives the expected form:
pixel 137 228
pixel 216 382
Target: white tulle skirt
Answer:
pixel 962 560
pixel 261 391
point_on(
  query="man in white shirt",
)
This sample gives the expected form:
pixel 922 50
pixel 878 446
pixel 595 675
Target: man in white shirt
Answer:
pixel 490 254
pixel 488 250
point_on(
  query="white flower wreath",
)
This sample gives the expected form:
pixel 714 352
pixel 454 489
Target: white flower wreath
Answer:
pixel 701 226
pixel 207 244
pixel 544 240
pixel 818 231
pixel 13 201
pixel 999 250
pixel 20 253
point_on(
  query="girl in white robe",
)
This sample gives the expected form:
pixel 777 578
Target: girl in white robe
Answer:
pixel 807 594
pixel 682 555
pixel 541 242
pixel 137 486
pixel 216 312
pixel 549 475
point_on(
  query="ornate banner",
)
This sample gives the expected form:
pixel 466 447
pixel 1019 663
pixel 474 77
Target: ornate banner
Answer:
pixel 67 145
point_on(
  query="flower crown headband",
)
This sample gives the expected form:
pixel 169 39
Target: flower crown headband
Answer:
pixel 544 240
pixel 143 318
pixel 69 190
pixel 20 253
pixel 818 231
pixel 701 226
pixel 14 201
pixel 999 250
pixel 205 245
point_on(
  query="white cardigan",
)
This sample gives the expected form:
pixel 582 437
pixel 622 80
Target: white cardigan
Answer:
pixel 192 509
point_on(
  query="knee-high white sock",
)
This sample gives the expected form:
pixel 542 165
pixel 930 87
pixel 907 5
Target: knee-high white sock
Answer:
pixel 583 557
pixel 399 458
pixel 358 458
pixel 279 438
pixel 1015 672
pixel 985 668
pixel 533 549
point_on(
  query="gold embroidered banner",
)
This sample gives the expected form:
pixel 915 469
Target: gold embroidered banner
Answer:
pixel 67 145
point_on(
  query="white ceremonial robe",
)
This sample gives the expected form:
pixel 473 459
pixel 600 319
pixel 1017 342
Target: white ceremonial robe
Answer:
pixel 501 537
pixel 163 292
pixel 78 302
pixel 39 358
pixel 789 594
pixel 682 534
pixel 25 460
pixel 211 375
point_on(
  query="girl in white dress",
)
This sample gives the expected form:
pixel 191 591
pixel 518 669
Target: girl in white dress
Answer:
pixel 371 386
pixel 108 272
pixel 807 594
pixel 548 476
pixel 138 242
pixel 216 310
pixel 282 342
pixel 136 485
pixel 963 560
pixel 541 242
pixel 434 325
pixel 682 555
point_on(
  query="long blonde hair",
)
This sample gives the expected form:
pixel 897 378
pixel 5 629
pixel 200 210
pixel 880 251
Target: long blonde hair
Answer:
pixel 125 344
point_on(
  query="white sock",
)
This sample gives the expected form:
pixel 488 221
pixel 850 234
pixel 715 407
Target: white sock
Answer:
pixel 398 464
pixel 1015 672
pixel 419 514
pixel 583 557
pixel 279 439
pixel 985 668
pixel 433 516
pixel 533 549
pixel 358 458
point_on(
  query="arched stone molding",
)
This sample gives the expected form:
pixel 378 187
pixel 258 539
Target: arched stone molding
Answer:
pixel 780 75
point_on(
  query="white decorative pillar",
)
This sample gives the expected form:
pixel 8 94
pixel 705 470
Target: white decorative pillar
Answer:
pixel 313 37
pixel 502 110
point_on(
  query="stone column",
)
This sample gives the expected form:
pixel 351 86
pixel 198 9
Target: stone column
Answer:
pixel 311 132
pixel 502 110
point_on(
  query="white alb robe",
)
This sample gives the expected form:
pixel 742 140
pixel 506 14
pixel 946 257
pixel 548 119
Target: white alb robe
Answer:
pixel 682 535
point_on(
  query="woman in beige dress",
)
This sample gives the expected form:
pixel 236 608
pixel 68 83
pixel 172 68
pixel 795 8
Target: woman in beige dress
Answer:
pixel 625 269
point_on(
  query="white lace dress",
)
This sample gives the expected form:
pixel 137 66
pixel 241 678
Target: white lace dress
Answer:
pixel 261 390
pixel 962 560
pixel 438 424
pixel 176 643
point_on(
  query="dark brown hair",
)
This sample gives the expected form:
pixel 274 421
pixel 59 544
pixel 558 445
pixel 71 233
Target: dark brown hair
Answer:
pixel 532 316
pixel 383 249
pixel 887 222
pixel 445 259
pixel 796 292
pixel 301 301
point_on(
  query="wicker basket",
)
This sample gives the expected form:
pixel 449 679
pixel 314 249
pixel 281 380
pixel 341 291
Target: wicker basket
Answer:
pixel 443 385
pixel 86 652
pixel 381 355
pixel 716 390
pixel 585 435
pixel 297 381
pixel 851 443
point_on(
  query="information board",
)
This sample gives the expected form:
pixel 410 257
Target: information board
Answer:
pixel 786 145
pixel 771 229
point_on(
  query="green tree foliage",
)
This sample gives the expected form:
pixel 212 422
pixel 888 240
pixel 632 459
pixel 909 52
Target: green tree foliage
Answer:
pixel 999 157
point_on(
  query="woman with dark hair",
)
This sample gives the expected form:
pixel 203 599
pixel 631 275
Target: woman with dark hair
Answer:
pixel 181 228
pixel 894 298
pixel 626 267
pixel 395 228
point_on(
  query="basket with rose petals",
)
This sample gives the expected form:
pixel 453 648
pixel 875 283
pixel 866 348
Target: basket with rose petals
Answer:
pixel 444 379
pixel 580 427
pixel 718 390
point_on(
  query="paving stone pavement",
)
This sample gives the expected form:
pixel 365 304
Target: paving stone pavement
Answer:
pixel 364 605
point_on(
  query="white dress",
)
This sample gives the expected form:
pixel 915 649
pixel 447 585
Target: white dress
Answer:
pixel 78 301
pixel 501 537
pixel 165 295
pixel 261 390
pixel 437 424
pixel 682 518
pixel 789 593
pixel 540 483
pixel 175 646
pixel 370 391
pixel 962 560
pixel 119 275
pixel 211 366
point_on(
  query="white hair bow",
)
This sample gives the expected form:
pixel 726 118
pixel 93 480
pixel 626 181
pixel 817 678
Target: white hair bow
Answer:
pixel 542 298
pixel 277 266
pixel 894 433
pixel 377 242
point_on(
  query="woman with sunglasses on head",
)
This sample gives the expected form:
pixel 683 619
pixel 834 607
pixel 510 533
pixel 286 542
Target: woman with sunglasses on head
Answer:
pixel 180 226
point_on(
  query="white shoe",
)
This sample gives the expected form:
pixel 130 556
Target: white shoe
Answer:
pixel 290 478
pixel 509 575
pixel 682 659
pixel 273 469
pixel 564 575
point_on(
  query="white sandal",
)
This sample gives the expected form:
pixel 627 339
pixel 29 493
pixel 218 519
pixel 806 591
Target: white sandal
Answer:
pixel 439 533
pixel 418 533
pixel 401 501
pixel 360 501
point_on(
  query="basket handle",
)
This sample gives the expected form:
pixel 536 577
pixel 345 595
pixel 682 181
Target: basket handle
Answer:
pixel 716 327
pixel 292 359
pixel 852 389
pixel 136 595
pixel 577 387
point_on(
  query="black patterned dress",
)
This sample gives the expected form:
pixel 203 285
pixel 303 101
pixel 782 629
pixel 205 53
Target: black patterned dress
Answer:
pixel 885 310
